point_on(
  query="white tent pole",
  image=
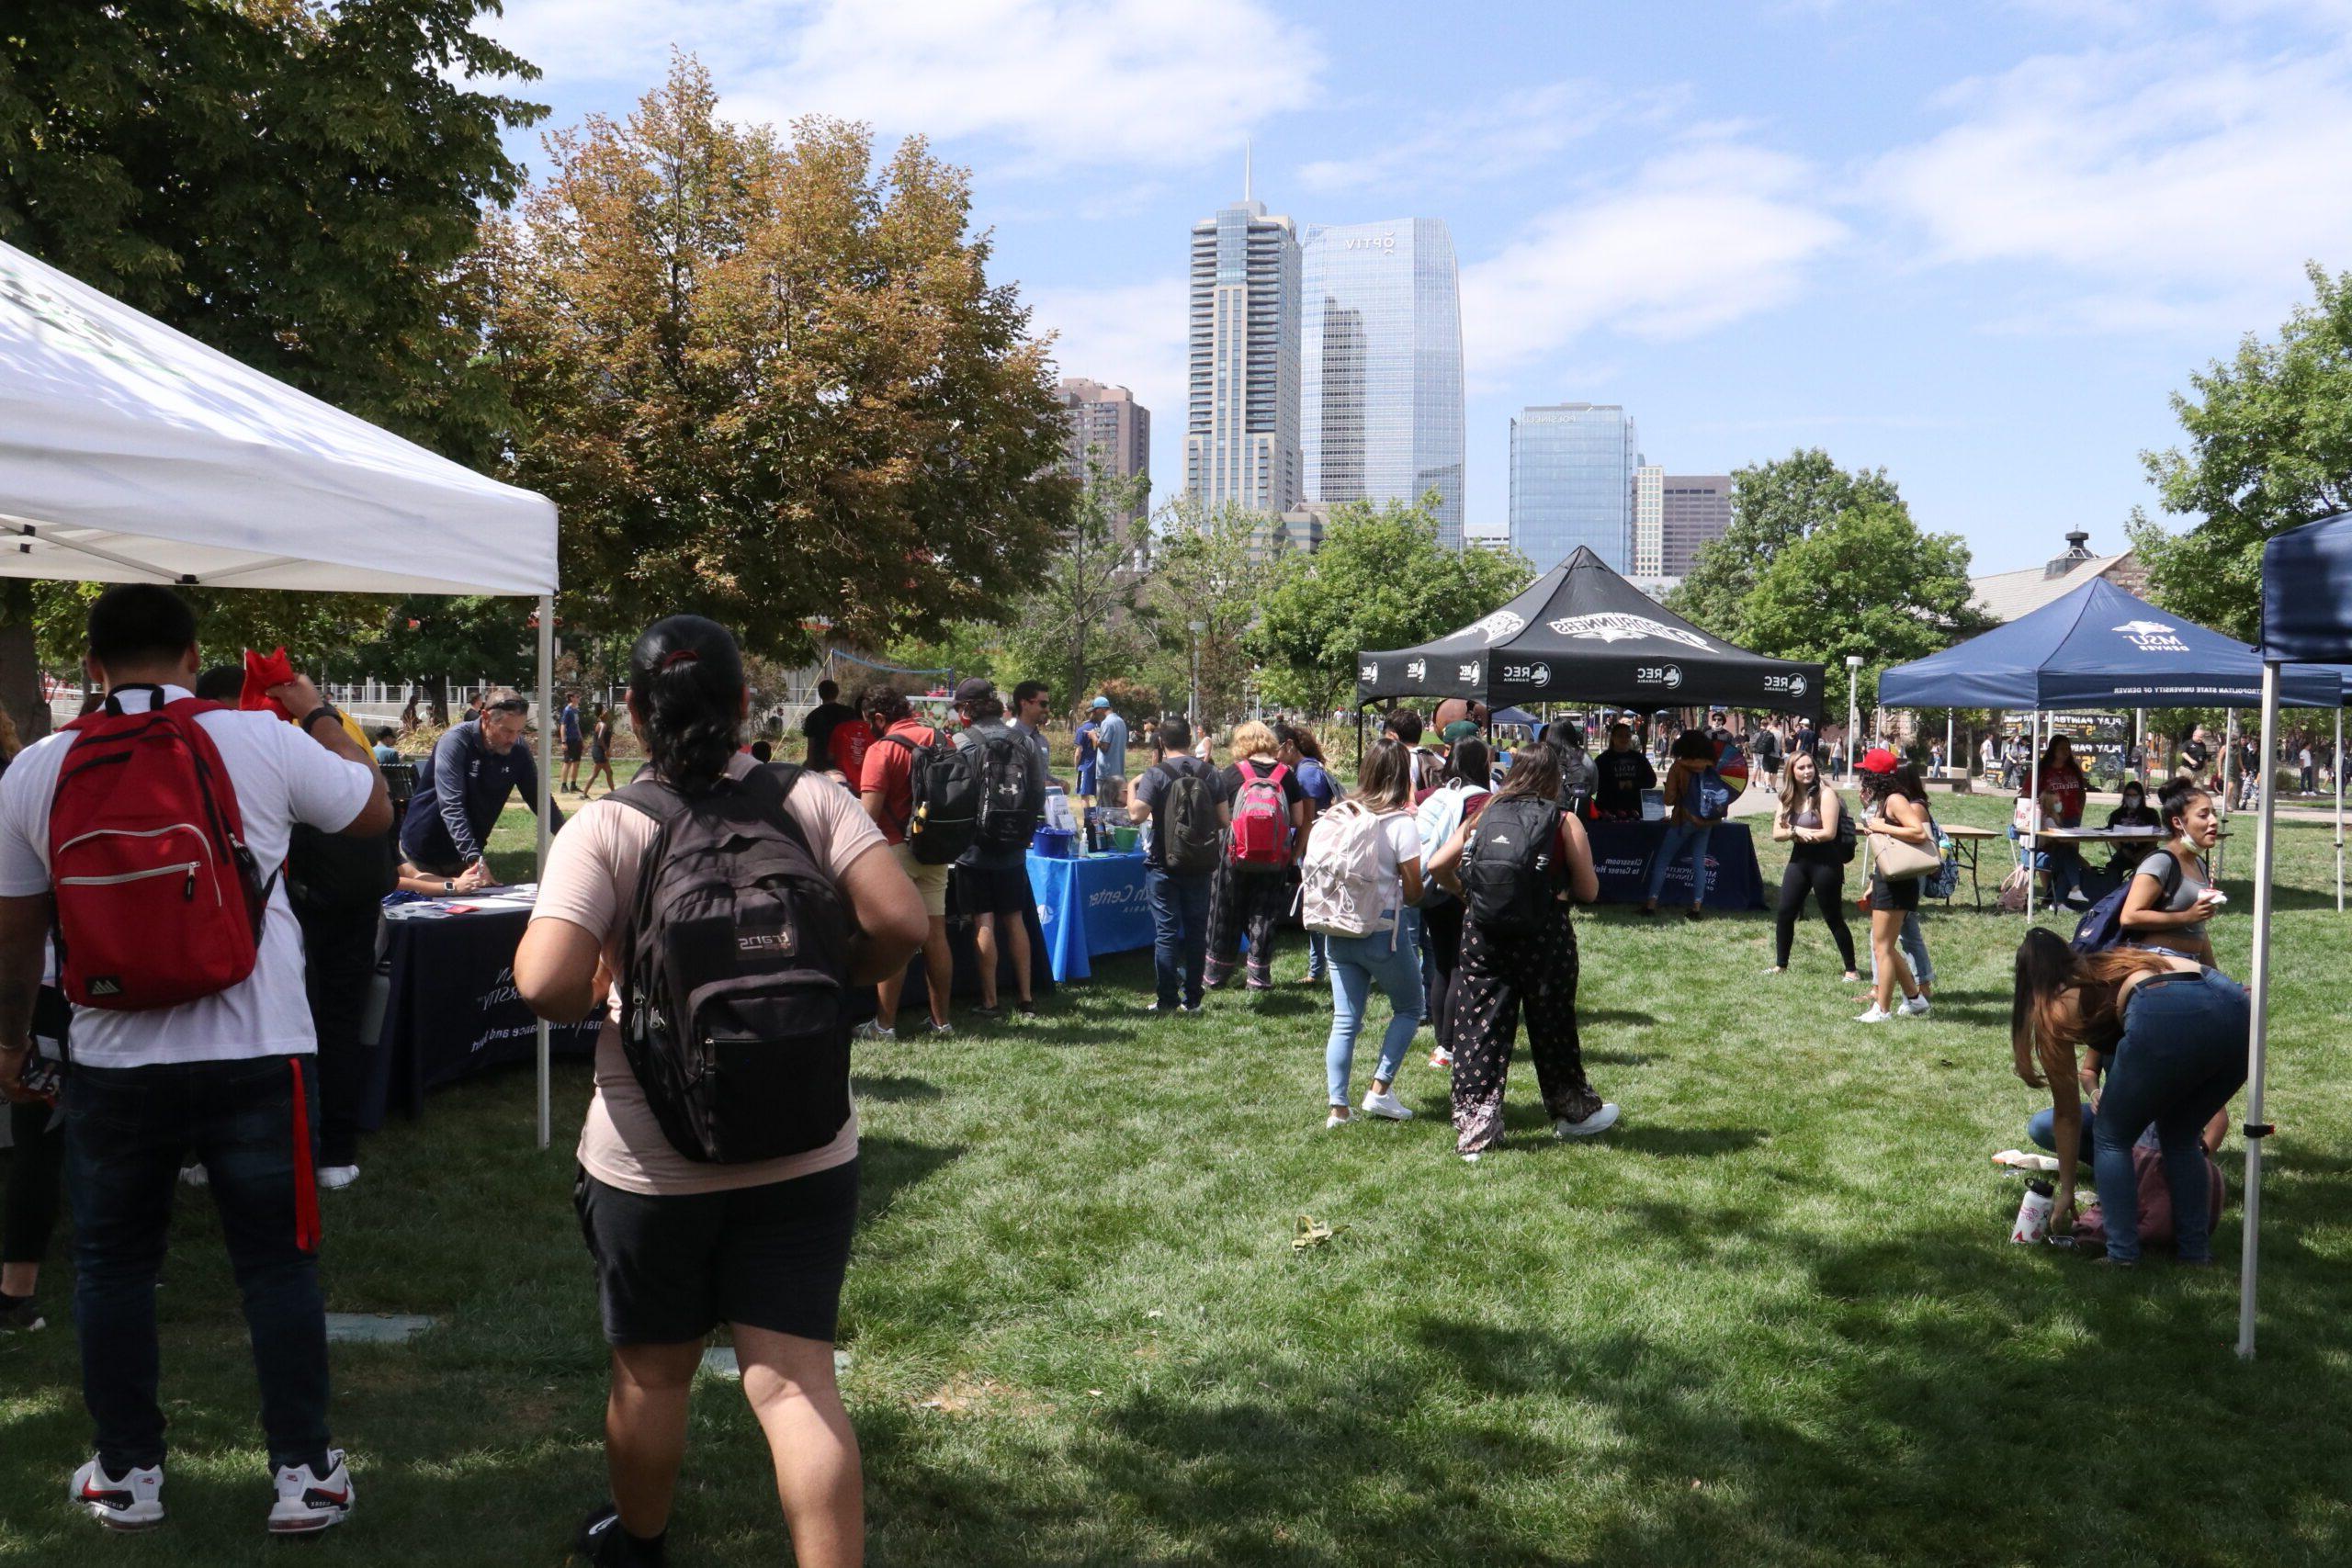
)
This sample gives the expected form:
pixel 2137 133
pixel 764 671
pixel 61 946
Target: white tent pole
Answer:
pixel 2033 794
pixel 2139 747
pixel 2258 1028
pixel 2229 755
pixel 2337 769
pixel 547 791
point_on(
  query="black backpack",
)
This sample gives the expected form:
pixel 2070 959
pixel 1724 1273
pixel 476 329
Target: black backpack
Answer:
pixel 1012 789
pixel 943 793
pixel 1508 880
pixel 1190 842
pixel 734 988
pixel 2101 926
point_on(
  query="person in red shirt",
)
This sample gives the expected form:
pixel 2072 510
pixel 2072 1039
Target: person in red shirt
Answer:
pixel 2063 791
pixel 885 785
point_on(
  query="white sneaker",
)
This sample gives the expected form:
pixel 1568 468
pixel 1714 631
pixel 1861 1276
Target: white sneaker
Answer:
pixel 196 1176
pixel 1599 1122
pixel 870 1029
pixel 1337 1119
pixel 307 1503
pixel 334 1178
pixel 1913 1007
pixel 1387 1105
pixel 135 1502
pixel 1876 1014
pixel 1440 1057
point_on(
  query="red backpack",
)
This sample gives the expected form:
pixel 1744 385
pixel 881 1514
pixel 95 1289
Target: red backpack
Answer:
pixel 159 902
pixel 1262 821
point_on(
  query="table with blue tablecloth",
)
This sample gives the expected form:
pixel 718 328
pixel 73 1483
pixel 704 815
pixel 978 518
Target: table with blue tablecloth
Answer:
pixel 1090 906
pixel 1622 852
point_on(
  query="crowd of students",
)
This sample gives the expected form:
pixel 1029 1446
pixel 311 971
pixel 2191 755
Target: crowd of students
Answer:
pixel 716 899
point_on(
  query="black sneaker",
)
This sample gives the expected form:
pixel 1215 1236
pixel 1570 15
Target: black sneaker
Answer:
pixel 988 1015
pixel 605 1544
pixel 18 1314
pixel 1026 1008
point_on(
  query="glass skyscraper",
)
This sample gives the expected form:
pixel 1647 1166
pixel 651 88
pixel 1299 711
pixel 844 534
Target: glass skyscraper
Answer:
pixel 1380 405
pixel 1241 420
pixel 1572 479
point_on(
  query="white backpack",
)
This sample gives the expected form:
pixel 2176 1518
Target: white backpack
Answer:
pixel 1344 889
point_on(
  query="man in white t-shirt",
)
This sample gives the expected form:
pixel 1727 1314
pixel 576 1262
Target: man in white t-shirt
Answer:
pixel 228 1078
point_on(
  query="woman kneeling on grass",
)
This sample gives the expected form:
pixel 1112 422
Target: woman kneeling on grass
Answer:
pixel 2174 1033
pixel 684 1244
pixel 1526 861
pixel 1388 954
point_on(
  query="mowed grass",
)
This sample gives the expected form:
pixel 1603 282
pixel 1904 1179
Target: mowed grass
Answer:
pixel 1774 1318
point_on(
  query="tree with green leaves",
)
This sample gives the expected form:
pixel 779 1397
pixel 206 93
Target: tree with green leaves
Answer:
pixel 297 185
pixel 1207 569
pixel 1773 505
pixel 763 376
pixel 1866 582
pixel 2269 449
pixel 1381 579
pixel 1080 623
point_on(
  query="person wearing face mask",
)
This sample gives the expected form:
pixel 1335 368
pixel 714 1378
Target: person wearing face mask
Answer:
pixel 2134 812
pixel 2172 895
pixel 463 786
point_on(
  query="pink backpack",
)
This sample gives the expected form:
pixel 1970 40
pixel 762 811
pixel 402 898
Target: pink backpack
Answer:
pixel 1261 841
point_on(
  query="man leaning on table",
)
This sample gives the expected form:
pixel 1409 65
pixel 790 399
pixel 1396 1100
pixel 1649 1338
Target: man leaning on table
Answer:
pixel 463 786
pixel 228 1075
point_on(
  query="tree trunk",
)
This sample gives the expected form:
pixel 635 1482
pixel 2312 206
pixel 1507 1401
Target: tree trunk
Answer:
pixel 437 699
pixel 20 675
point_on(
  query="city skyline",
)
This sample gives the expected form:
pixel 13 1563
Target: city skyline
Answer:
pixel 1979 249
pixel 1243 334
pixel 1574 469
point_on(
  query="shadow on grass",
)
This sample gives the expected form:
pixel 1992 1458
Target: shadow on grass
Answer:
pixel 894 1087
pixel 887 1167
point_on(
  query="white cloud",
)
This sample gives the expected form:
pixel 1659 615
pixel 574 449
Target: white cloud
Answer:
pixel 2174 185
pixel 1060 83
pixel 1694 240
pixel 1516 132
pixel 1130 335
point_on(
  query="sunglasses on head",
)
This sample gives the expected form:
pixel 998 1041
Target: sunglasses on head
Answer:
pixel 512 704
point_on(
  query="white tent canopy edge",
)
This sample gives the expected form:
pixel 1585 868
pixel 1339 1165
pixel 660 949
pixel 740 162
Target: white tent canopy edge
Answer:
pixel 132 453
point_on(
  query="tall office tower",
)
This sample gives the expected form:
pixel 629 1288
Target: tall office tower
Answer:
pixel 1572 483
pixel 1649 520
pixel 1108 422
pixel 1380 404
pixel 1242 424
pixel 1697 510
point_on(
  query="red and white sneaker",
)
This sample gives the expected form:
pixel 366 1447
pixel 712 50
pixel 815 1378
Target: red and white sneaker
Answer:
pixel 1440 1057
pixel 134 1501
pixel 307 1503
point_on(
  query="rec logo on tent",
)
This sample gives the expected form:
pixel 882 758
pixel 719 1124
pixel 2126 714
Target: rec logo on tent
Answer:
pixel 1418 670
pixel 1529 674
pixel 1368 672
pixel 1667 675
pixel 1466 671
pixel 2151 637
pixel 1785 685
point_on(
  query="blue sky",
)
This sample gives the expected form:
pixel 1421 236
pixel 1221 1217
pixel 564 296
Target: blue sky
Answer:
pixel 1978 245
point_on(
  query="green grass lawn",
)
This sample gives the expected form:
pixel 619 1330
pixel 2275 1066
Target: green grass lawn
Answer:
pixel 1774 1318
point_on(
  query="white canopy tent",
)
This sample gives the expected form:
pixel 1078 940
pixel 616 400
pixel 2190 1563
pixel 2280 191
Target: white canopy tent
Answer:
pixel 132 453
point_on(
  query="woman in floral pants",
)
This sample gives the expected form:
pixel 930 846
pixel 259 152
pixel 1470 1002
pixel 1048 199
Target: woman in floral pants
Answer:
pixel 1502 974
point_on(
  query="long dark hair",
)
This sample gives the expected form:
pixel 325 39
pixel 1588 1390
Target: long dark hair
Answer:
pixel 2048 966
pixel 2172 804
pixel 1534 769
pixel 685 690
pixel 1472 764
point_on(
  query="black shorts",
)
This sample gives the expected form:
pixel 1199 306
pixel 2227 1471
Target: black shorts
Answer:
pixel 671 1270
pixel 572 750
pixel 1897 898
pixel 976 890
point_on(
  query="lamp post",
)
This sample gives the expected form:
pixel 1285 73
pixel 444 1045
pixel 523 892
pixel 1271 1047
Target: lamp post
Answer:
pixel 1197 627
pixel 1853 716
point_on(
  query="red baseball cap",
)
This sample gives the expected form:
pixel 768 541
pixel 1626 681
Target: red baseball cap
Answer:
pixel 1878 760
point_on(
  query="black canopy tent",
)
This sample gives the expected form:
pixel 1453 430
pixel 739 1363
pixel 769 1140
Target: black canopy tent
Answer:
pixel 1581 633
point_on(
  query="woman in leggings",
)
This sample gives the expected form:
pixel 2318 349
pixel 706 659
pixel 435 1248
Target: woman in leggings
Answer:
pixel 1457 801
pixel 1503 973
pixel 2172 1032
pixel 1807 822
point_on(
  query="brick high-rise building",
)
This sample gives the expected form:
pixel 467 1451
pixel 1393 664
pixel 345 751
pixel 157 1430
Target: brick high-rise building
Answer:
pixel 1108 424
pixel 1695 510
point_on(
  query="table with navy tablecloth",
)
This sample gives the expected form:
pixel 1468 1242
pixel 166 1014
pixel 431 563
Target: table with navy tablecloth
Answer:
pixel 1090 906
pixel 1622 852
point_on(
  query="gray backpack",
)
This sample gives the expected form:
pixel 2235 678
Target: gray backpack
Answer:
pixel 736 972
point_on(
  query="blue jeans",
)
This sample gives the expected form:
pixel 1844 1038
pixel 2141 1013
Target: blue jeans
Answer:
pixel 1357 964
pixel 1318 955
pixel 1914 943
pixel 2065 871
pixel 126 1130
pixel 1179 938
pixel 2182 1056
pixel 1679 842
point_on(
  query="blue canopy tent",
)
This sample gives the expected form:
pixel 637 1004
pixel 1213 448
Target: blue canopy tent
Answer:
pixel 2306 618
pixel 2098 646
